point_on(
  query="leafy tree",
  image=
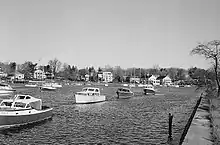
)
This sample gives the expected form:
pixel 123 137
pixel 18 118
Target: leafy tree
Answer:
pixel 27 69
pixel 172 72
pixel 118 74
pixel 100 70
pixel 83 72
pixel 210 51
pixel 55 65
pixel 12 67
pixel 163 72
pixel 180 74
pixel 48 68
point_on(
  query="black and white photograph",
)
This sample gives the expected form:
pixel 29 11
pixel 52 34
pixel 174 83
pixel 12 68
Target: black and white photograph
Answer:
pixel 109 72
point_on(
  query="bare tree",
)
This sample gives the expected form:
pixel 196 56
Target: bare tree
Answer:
pixel 55 64
pixel 210 51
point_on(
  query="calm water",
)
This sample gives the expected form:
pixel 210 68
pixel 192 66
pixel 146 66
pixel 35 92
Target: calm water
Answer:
pixel 138 120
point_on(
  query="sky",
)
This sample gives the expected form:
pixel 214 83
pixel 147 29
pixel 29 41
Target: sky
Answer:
pixel 126 33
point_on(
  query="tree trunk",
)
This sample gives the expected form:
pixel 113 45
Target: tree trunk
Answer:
pixel 216 76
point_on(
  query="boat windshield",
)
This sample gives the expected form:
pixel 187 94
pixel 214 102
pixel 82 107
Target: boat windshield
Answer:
pixel 91 90
pixel 149 86
pixel 6 104
pixel 19 104
pixel 123 89
pixel 81 93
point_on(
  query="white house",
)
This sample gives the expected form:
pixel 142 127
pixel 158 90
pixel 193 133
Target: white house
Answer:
pixel 19 76
pixel 167 81
pixel 153 80
pixel 86 77
pixel 39 74
pixel 2 74
pixel 107 76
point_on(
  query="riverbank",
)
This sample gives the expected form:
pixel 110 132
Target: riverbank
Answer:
pixel 215 119
pixel 200 129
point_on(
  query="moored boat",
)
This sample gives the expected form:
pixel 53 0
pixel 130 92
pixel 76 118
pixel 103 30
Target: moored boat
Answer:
pixel 89 95
pixel 124 93
pixel 149 89
pixel 48 88
pixel 56 85
pixel 30 85
pixel 6 89
pixel 21 110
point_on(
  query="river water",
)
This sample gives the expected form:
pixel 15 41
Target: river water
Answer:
pixel 138 120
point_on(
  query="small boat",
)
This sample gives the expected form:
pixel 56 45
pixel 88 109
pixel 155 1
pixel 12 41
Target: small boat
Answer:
pixel 149 89
pixel 6 89
pixel 21 110
pixel 124 93
pixel 89 95
pixel 125 85
pixel 132 85
pixel 30 85
pixel 47 88
pixel 56 85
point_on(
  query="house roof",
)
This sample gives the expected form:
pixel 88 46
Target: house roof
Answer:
pixel 160 77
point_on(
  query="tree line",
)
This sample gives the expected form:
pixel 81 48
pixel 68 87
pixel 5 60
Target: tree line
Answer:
pixel 73 73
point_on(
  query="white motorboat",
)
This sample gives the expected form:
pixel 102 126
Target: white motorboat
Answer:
pixel 22 109
pixel 56 85
pixel 149 89
pixel 47 87
pixel 89 95
pixel 6 89
pixel 124 93
pixel 31 85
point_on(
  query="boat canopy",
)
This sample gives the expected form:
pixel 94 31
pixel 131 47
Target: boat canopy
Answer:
pixel 124 89
pixel 23 101
pixel 89 89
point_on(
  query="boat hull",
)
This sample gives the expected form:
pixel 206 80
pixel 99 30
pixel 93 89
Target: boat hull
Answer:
pixel 85 99
pixel 22 117
pixel 6 92
pixel 124 95
pixel 149 91
pixel 33 86
pixel 48 88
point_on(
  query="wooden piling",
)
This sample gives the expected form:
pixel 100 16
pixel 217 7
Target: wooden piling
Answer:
pixel 170 127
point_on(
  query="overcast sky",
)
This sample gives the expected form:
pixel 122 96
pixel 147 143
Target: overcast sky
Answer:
pixel 128 33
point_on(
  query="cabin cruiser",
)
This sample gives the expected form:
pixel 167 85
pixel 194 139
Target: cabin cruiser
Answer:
pixel 6 89
pixel 149 89
pixel 30 85
pixel 47 87
pixel 124 93
pixel 22 109
pixel 89 95
pixel 56 85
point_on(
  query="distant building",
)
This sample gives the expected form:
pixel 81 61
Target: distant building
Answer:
pixel 86 77
pixel 3 74
pixel 107 76
pixel 39 74
pixel 100 77
pixel 153 80
pixel 165 80
pixel 19 76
